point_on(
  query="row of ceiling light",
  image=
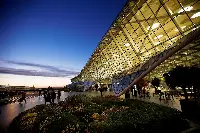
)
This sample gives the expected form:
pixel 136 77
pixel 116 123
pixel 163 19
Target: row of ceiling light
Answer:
pixel 156 25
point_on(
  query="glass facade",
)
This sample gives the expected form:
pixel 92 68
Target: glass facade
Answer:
pixel 144 28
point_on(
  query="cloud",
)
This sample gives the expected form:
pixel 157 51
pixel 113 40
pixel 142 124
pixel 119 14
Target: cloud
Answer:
pixel 51 70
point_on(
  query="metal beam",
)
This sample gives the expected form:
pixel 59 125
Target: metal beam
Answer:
pixel 182 43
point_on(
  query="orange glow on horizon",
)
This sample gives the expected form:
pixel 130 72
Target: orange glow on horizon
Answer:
pixel 37 81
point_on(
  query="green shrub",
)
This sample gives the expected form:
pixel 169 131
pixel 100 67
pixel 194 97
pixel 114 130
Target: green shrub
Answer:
pixel 77 99
pixel 80 113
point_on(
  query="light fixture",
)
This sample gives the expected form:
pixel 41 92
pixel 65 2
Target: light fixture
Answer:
pixel 154 26
pixel 115 55
pixel 157 49
pixel 176 30
pixel 170 11
pixel 127 44
pixel 196 15
pixel 181 28
pixel 158 37
pixel 187 8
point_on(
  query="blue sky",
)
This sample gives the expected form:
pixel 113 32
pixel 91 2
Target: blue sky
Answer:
pixel 38 35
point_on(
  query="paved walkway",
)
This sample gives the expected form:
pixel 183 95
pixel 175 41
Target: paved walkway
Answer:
pixel 170 103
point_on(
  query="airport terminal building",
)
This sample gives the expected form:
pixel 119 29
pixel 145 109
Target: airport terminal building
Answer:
pixel 144 32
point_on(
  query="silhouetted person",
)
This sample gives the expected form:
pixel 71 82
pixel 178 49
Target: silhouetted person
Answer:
pixel 96 87
pixel 132 91
pixel 23 98
pixel 53 96
pixel 135 92
pixel 59 94
pixel 101 90
pixel 47 97
pixel 45 94
pixel 39 92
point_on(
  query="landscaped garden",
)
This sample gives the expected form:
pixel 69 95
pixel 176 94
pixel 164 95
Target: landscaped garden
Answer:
pixel 84 114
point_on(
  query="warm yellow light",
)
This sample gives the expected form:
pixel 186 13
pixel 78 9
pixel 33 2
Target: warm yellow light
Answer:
pixel 154 26
pixel 176 30
pixel 158 37
pixel 188 8
pixel 181 28
pixel 127 44
pixel 196 15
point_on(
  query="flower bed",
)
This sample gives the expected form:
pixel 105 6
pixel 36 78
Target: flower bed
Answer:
pixel 80 113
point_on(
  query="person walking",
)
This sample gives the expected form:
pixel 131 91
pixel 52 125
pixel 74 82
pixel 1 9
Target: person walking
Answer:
pixel 132 91
pixel 135 92
pixel 47 97
pixel 23 98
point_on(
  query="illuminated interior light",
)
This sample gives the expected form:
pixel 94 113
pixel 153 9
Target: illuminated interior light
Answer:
pixel 174 38
pixel 170 11
pixel 194 29
pixel 157 43
pixel 154 26
pixel 142 51
pixel 188 8
pixel 176 30
pixel 127 44
pixel 183 27
pixel 115 55
pixel 146 54
pixel 158 37
pixel 196 15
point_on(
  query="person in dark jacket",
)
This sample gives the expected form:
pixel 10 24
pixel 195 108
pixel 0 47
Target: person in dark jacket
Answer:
pixel 53 96
pixel 59 94
pixel 47 97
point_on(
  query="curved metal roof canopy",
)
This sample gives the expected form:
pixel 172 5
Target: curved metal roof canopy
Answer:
pixel 143 29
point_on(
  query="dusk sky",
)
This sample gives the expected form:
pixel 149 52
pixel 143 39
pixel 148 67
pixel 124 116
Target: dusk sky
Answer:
pixel 47 42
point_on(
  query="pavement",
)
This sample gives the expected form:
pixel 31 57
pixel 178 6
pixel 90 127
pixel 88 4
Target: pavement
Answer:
pixel 173 103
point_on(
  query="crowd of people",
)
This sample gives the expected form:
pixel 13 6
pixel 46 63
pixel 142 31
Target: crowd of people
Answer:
pixel 50 96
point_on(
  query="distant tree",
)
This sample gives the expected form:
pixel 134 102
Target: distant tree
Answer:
pixel 156 83
pixel 142 83
pixel 169 80
pixel 194 81
pixel 184 77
